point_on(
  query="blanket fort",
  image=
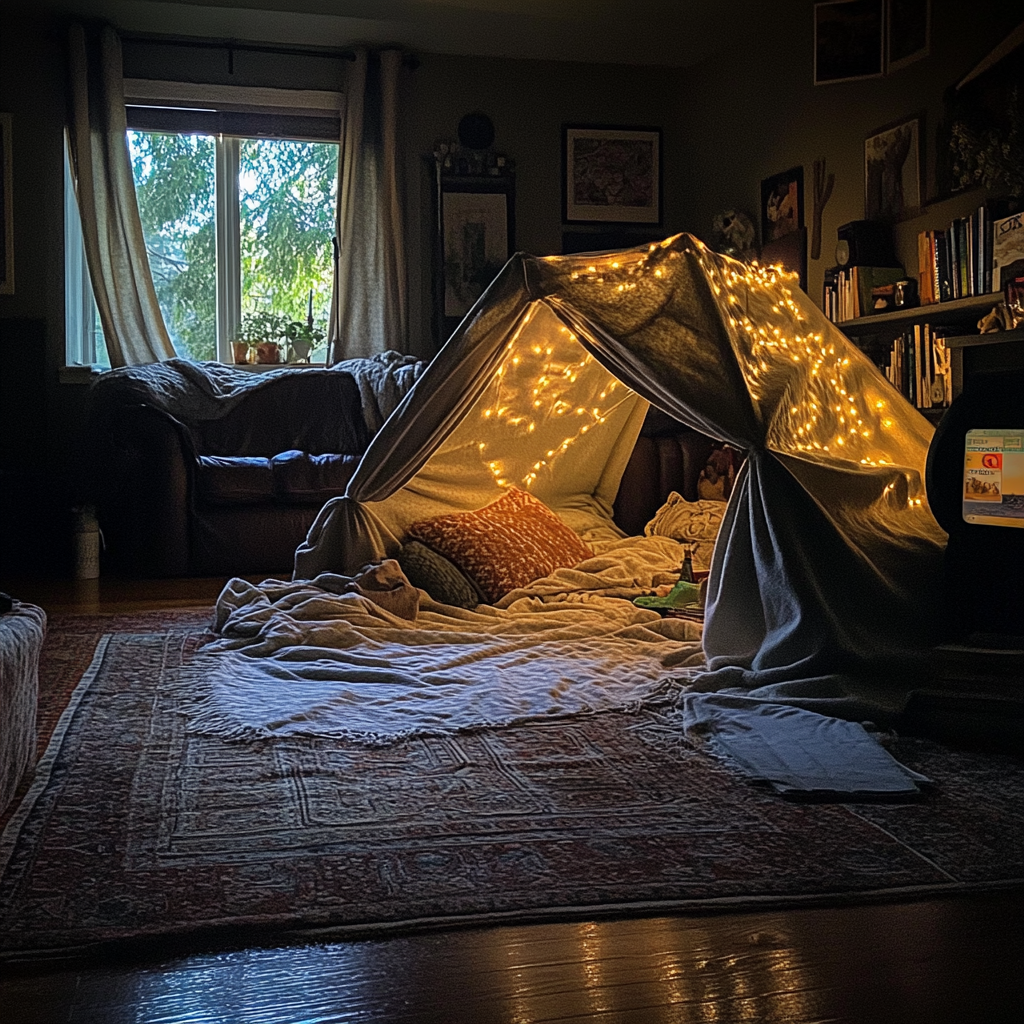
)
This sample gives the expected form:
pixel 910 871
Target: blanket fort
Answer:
pixel 828 558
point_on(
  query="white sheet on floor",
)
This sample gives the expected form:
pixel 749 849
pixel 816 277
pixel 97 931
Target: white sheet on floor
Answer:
pixel 301 658
pixel 796 751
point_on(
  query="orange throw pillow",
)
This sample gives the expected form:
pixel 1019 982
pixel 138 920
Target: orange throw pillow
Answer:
pixel 508 544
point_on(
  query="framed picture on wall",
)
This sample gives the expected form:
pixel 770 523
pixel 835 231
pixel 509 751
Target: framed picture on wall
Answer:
pixel 611 175
pixel 782 204
pixel 6 209
pixel 892 171
pixel 848 40
pixel 476 237
pixel 908 32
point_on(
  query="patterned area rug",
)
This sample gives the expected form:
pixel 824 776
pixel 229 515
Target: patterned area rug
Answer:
pixel 135 830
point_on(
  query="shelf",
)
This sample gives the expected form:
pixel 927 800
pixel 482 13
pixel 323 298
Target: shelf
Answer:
pixel 995 338
pixel 934 313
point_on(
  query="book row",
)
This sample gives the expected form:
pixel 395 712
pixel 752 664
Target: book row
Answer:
pixel 969 257
pixel 975 255
pixel 918 366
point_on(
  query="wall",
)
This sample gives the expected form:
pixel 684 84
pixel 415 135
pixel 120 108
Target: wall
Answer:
pixel 752 111
pixel 749 111
pixel 36 470
pixel 527 100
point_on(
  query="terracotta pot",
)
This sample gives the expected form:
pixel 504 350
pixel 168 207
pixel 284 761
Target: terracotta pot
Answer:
pixel 241 351
pixel 268 352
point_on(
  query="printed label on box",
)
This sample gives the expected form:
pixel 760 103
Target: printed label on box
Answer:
pixel 994 477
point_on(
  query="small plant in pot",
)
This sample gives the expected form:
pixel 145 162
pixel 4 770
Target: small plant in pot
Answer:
pixel 302 339
pixel 241 350
pixel 263 333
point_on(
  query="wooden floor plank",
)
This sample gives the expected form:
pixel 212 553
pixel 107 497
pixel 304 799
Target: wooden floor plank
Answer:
pixel 955 960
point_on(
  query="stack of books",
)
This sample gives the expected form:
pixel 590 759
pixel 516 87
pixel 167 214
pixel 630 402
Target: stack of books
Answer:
pixel 918 366
pixel 965 258
pixel 848 290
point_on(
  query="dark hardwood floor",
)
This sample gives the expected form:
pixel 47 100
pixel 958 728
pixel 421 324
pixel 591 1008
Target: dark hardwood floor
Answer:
pixel 958 959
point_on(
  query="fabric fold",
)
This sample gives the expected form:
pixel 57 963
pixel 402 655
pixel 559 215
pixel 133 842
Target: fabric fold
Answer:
pixel 797 752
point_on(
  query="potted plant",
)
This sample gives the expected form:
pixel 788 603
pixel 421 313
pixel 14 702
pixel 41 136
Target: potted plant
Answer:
pixel 241 350
pixel 262 333
pixel 268 352
pixel 302 339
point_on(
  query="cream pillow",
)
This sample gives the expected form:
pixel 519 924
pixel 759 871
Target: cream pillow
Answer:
pixel 690 522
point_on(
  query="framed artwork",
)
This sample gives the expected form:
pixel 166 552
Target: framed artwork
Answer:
pixel 782 205
pixel 908 32
pixel 6 209
pixel 611 175
pixel 476 237
pixel 892 171
pixel 848 40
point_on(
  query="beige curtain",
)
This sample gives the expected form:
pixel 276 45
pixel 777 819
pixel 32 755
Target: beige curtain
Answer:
pixel 115 249
pixel 369 303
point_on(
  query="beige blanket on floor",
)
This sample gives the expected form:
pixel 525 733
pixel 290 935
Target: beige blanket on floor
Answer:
pixel 324 658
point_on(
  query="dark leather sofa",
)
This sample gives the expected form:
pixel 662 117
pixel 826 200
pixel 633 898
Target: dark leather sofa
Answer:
pixel 203 470
pixel 228 488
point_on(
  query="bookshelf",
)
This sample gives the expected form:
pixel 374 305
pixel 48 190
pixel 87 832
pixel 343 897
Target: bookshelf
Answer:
pixel 980 353
pixel 873 334
pixel 939 314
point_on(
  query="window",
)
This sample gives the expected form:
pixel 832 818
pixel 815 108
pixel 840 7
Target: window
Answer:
pixel 83 335
pixel 237 207
pixel 235 226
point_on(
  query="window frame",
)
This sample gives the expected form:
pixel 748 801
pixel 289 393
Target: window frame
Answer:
pixel 229 113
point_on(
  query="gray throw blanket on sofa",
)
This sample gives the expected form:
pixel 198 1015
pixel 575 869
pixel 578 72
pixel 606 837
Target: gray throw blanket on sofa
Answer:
pixel 192 391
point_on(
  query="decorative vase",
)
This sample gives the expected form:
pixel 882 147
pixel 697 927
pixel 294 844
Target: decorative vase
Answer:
pixel 268 352
pixel 299 350
pixel 241 351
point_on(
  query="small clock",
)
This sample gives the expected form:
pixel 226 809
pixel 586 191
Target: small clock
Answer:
pixel 842 252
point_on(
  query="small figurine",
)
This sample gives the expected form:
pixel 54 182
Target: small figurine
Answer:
pixel 686 569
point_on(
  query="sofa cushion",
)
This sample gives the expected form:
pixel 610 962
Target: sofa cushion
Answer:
pixel 234 481
pixel 304 479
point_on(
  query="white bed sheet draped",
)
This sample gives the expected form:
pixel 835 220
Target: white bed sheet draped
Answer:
pixel 320 658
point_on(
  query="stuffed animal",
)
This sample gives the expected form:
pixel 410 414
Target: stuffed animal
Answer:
pixel 716 478
pixel 734 234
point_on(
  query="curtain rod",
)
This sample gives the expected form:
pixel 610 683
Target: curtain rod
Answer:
pixel 230 45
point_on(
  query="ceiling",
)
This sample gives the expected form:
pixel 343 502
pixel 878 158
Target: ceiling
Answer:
pixel 654 32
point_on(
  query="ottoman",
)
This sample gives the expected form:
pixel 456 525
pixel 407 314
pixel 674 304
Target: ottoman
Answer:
pixel 21 639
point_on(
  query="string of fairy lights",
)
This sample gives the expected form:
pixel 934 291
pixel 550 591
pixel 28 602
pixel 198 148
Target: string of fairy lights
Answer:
pixel 829 415
pixel 531 387
pixel 821 403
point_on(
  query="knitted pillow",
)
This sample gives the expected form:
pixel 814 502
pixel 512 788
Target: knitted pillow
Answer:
pixel 690 522
pixel 508 544
pixel 441 579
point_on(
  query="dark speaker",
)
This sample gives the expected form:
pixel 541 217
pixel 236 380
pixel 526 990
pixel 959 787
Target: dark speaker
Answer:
pixel 869 244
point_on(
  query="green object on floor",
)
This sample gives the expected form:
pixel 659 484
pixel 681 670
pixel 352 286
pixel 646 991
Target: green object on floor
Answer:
pixel 680 596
